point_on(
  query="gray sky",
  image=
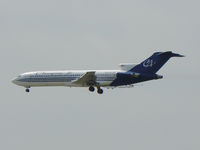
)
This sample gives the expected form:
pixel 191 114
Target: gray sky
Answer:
pixel 91 34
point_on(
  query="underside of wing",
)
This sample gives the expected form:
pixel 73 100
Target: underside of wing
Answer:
pixel 89 78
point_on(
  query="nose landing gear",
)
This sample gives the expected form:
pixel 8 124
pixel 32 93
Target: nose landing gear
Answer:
pixel 27 90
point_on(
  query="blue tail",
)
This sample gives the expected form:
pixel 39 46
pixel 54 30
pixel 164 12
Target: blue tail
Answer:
pixel 154 63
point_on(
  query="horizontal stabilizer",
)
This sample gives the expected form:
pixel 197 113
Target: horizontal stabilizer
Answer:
pixel 169 53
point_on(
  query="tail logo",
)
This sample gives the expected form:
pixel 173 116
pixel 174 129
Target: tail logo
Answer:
pixel 148 63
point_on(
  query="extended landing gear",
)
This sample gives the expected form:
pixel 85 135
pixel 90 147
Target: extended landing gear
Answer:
pixel 99 90
pixel 27 90
pixel 91 89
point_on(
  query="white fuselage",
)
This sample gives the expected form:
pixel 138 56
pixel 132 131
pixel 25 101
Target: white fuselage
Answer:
pixel 129 74
pixel 63 78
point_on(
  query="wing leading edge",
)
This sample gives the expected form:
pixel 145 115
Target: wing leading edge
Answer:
pixel 89 78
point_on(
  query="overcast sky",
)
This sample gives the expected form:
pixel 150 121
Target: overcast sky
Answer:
pixel 99 34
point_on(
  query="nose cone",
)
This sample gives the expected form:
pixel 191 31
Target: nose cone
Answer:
pixel 14 81
pixel 18 81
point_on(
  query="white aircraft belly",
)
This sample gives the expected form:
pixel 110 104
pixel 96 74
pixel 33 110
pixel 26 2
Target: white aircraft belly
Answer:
pixel 35 84
pixel 105 83
pixel 44 84
pixel 101 83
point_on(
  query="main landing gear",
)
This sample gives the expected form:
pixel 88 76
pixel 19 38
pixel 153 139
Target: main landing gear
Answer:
pixel 99 90
pixel 91 89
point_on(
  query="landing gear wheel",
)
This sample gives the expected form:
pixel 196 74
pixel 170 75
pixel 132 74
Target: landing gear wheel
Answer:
pixel 91 89
pixel 27 90
pixel 100 91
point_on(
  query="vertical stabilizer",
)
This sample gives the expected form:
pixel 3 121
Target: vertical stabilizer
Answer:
pixel 155 62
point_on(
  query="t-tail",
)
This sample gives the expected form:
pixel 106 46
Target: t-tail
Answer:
pixel 154 63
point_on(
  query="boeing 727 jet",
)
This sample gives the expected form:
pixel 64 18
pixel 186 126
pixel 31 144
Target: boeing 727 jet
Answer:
pixel 128 74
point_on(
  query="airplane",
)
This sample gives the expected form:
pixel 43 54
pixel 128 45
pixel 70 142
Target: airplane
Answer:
pixel 129 74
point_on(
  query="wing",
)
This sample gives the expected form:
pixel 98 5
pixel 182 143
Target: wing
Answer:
pixel 89 78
